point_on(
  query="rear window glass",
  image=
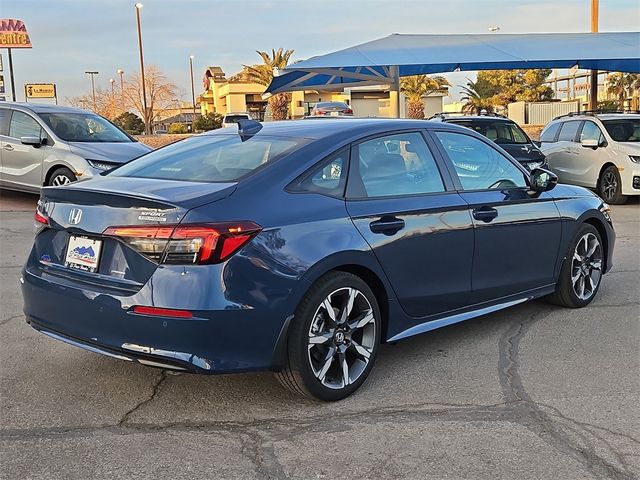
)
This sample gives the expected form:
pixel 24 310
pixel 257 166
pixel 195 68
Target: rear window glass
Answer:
pixel 332 105
pixel 568 131
pixel 498 131
pixel 235 118
pixel 209 158
pixel 549 133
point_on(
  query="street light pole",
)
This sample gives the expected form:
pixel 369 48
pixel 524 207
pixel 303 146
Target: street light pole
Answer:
pixel 121 73
pixel 593 90
pixel 193 95
pixel 93 89
pixel 112 81
pixel 147 126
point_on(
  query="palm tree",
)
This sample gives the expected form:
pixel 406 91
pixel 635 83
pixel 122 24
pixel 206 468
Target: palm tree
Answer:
pixel 263 74
pixel 478 96
pixel 623 86
pixel 417 87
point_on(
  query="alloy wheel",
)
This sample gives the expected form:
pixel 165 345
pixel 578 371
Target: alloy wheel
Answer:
pixel 609 185
pixel 59 180
pixel 586 266
pixel 341 338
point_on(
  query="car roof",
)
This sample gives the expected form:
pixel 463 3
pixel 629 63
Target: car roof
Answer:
pixel 353 126
pixel 42 107
pixel 477 118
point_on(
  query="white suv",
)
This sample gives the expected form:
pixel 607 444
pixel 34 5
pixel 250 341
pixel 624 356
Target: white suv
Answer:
pixel 596 150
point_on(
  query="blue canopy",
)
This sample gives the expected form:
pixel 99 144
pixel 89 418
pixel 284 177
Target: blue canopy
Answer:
pixel 384 60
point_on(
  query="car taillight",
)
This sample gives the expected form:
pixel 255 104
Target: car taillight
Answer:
pixel 187 244
pixel 348 111
pixel 40 216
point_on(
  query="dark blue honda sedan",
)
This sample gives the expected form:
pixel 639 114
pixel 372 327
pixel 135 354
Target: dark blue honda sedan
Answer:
pixel 299 247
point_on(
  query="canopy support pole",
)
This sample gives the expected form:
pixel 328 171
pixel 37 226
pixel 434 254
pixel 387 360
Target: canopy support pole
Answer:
pixel 593 89
pixel 394 91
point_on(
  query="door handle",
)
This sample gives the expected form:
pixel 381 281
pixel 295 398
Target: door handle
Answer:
pixel 8 147
pixel 485 214
pixel 387 225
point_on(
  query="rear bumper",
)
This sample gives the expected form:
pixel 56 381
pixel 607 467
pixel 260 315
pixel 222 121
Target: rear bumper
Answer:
pixel 224 340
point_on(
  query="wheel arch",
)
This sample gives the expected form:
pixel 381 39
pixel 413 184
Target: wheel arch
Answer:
pixel 599 226
pixel 602 169
pixel 52 169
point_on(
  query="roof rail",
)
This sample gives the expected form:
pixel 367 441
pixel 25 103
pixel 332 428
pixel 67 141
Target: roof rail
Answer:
pixel 443 115
pixel 593 113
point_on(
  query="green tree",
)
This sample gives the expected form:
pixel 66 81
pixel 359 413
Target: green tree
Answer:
pixel 130 123
pixel 178 128
pixel 263 74
pixel 517 85
pixel 478 96
pixel 416 87
pixel 622 86
pixel 207 122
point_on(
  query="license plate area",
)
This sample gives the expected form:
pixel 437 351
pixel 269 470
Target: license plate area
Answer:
pixel 83 253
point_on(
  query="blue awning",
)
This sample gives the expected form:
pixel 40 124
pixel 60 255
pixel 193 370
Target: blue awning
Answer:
pixel 374 63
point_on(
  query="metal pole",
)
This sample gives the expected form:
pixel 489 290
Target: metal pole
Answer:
pixel 93 89
pixel 121 73
pixel 593 93
pixel 394 71
pixel 147 123
pixel 13 82
pixel 193 95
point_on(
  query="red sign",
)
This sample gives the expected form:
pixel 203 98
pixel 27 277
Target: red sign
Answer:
pixel 13 34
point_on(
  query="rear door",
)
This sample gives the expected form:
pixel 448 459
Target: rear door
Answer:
pixel 419 228
pixel 566 160
pixel 21 164
pixel 516 235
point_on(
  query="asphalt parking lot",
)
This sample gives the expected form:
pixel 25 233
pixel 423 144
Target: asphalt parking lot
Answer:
pixel 534 392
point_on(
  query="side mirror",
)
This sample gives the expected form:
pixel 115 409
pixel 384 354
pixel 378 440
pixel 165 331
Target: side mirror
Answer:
pixel 542 180
pixel 590 143
pixel 34 141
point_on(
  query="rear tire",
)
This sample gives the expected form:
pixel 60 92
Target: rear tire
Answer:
pixel 61 176
pixel 582 269
pixel 610 186
pixel 333 339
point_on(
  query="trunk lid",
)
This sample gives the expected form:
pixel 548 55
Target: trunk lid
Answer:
pixel 79 213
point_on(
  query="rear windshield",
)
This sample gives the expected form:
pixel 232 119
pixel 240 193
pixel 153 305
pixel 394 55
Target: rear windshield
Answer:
pixel 624 129
pixel 209 158
pixel 499 132
pixel 235 118
pixel 332 105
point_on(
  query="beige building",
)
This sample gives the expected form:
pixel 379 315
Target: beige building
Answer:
pixel 239 94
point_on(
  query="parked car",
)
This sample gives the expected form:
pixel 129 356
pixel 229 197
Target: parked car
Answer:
pixel 52 145
pixel 333 109
pixel 300 246
pixel 596 150
pixel 503 131
pixel 232 119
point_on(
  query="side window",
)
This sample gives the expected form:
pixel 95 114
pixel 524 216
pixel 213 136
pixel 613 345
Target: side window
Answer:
pixel 329 178
pixel 4 115
pixel 479 166
pixel 590 131
pixel 23 125
pixel 549 134
pixel 400 164
pixel 568 131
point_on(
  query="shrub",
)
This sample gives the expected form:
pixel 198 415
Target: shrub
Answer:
pixel 178 128
pixel 207 122
pixel 130 123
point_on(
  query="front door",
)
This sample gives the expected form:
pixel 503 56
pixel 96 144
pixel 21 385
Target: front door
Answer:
pixel 420 230
pixel 21 164
pixel 516 235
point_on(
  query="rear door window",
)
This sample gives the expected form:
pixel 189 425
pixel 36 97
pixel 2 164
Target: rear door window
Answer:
pixel 328 179
pixel 4 117
pixel 569 131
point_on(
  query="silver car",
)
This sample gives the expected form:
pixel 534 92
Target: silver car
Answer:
pixel 44 145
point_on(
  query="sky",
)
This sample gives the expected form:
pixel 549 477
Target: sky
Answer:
pixel 70 37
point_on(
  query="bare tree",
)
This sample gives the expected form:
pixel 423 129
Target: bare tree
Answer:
pixel 160 94
pixel 107 103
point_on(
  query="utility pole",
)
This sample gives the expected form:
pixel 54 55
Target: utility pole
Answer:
pixel 193 96
pixel 93 89
pixel 147 120
pixel 593 91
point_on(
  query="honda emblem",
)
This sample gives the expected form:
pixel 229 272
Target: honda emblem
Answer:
pixel 74 216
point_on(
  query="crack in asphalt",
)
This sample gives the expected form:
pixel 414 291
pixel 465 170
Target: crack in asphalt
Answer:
pixel 560 434
pixel 7 320
pixel 261 453
pixel 154 392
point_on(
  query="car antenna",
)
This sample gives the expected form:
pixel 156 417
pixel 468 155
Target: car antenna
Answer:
pixel 248 128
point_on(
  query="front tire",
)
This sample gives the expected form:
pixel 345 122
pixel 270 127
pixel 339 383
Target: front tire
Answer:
pixel 610 186
pixel 582 269
pixel 61 176
pixel 334 338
